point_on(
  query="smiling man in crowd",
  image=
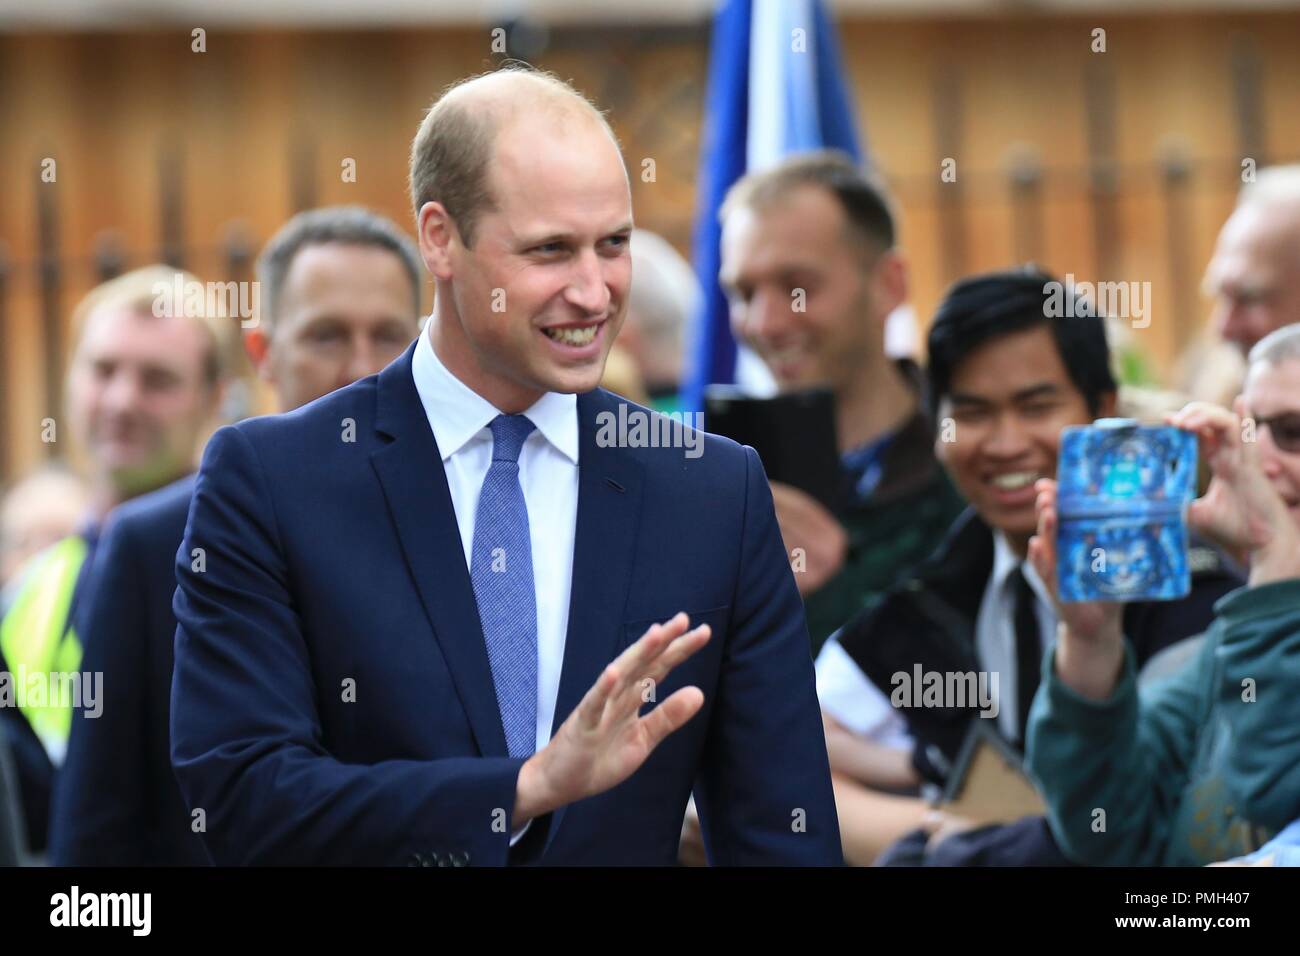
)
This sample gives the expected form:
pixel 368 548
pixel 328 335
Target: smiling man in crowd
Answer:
pixel 342 296
pixel 812 271
pixel 440 623
pixel 1007 373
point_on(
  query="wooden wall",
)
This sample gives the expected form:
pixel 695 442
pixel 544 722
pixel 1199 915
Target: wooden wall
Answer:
pixel 1133 155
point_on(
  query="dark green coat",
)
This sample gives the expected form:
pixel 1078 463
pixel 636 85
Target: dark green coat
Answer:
pixel 1191 769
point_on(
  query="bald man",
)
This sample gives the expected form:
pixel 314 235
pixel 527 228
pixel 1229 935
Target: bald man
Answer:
pixel 1255 273
pixel 476 610
pixel 1254 281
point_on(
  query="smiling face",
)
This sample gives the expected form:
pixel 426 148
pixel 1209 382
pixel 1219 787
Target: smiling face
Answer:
pixel 535 304
pixel 138 395
pixel 802 293
pixel 1273 393
pixel 1009 398
pixel 1254 276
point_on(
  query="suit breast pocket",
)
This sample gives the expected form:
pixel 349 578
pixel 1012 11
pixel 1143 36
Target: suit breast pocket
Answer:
pixel 699 669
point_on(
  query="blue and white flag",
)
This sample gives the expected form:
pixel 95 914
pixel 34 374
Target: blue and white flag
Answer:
pixel 775 88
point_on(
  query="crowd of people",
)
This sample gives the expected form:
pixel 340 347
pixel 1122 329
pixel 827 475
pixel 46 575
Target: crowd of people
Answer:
pixel 1155 732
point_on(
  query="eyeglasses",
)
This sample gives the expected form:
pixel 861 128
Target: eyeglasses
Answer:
pixel 1284 429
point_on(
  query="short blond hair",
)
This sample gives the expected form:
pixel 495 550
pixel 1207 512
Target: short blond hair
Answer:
pixel 452 151
pixel 136 291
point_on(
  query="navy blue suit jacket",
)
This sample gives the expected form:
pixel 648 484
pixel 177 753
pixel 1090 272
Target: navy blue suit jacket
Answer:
pixel 333 701
pixel 116 801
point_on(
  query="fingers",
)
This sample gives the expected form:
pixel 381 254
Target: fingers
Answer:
pixel 641 660
pixel 592 706
pixel 634 661
pixel 1042 546
pixel 678 651
pixel 672 714
pixel 1195 416
pixel 1216 427
pixel 1249 449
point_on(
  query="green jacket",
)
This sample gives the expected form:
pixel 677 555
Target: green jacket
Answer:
pixel 1198 767
pixel 899 525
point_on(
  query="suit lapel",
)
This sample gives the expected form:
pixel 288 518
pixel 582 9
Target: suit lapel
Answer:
pixel 609 509
pixel 410 470
pixel 610 488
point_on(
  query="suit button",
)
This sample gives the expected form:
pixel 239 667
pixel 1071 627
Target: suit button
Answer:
pixel 444 859
pixel 430 860
pixel 460 859
pixel 415 859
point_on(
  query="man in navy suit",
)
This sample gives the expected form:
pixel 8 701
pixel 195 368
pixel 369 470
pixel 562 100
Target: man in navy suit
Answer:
pixel 440 617
pixel 341 290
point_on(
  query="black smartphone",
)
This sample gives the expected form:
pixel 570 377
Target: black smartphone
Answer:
pixel 793 433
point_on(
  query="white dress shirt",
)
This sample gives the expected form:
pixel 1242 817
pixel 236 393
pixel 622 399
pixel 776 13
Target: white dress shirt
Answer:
pixel 995 629
pixel 851 698
pixel 846 694
pixel 548 473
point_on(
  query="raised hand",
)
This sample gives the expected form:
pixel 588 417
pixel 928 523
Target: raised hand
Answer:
pixel 1090 649
pixel 1241 510
pixel 605 739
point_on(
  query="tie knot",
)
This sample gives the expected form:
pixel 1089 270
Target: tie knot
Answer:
pixel 508 434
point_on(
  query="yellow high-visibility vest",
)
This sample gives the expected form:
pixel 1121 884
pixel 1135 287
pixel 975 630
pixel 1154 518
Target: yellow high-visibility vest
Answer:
pixel 39 644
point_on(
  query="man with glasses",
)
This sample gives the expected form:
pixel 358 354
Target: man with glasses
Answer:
pixel 1205 765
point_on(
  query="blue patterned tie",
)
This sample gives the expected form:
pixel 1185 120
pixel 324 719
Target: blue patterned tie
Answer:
pixel 501 568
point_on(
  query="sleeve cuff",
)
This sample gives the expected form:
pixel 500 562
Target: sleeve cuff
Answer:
pixel 1084 713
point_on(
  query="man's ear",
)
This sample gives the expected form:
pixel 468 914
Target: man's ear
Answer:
pixel 1107 405
pixel 257 344
pixel 437 235
pixel 891 280
pixel 218 398
pixel 941 447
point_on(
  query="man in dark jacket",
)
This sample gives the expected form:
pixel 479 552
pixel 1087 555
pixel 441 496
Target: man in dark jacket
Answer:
pixel 812 270
pixel 1006 376
pixel 341 290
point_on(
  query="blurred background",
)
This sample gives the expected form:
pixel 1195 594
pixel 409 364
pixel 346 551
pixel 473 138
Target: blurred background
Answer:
pixel 1122 164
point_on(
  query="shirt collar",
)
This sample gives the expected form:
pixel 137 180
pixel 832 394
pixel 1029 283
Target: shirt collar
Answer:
pixel 457 413
pixel 1005 562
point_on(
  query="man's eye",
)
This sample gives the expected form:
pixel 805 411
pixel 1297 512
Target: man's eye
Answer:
pixel 1287 429
pixel 1037 408
pixel 547 248
pixel 159 382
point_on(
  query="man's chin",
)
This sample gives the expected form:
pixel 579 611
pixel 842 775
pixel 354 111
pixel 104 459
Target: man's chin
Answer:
pixel 574 380
pixel 1012 524
pixel 137 479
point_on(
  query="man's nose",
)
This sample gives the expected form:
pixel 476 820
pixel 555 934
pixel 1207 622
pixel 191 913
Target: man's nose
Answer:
pixel 1228 320
pixel 363 360
pixel 766 317
pixel 122 393
pixel 1007 439
pixel 587 289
